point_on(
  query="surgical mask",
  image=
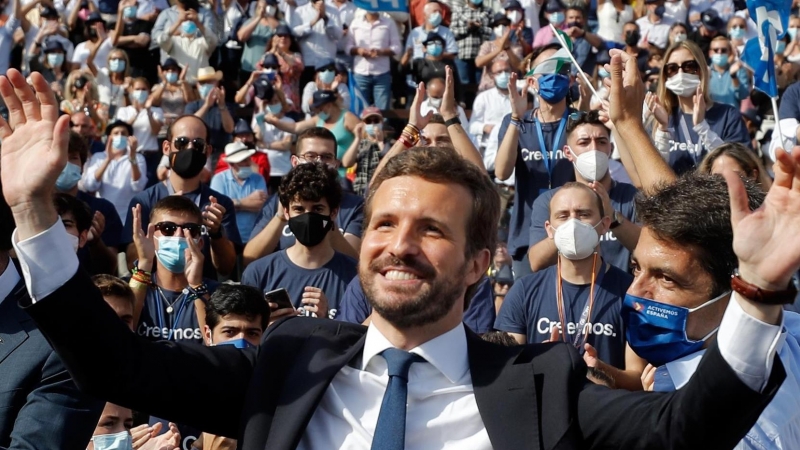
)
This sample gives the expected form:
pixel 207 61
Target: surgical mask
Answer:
pixel 271 10
pixel 553 87
pixel 139 95
pixel 171 253
pixel 119 142
pixel 515 17
pixel 738 32
pixel 435 102
pixel 323 115
pixel 434 49
pixel 719 60
pixel 75 241
pixel 679 37
pixel 187 163
pixel 68 177
pixel 116 65
pixel 373 128
pixel 603 73
pixel 238 343
pixel 244 172
pixel 576 240
pixel 435 19
pixel 55 59
pixel 556 17
pixel 327 76
pixel 591 165
pixel 310 228
pixel 683 84
pixel 476 2
pixel 275 108
pixel 780 47
pixel 657 331
pixel 501 80
pixel 499 31
pixel 188 27
pixel 792 33
pixel 204 90
pixel 172 77
pixel 129 12
pixel 118 441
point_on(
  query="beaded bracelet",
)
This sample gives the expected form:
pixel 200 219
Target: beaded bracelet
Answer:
pixel 199 291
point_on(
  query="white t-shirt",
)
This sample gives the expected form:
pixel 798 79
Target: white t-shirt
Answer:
pixel 280 162
pixel 110 94
pixel 81 54
pixel 148 141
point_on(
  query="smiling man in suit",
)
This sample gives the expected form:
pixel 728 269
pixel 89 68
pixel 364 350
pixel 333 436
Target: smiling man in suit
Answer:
pixel 431 228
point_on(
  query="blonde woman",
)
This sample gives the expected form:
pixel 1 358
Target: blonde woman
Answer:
pixel 113 81
pixel 738 158
pixel 80 94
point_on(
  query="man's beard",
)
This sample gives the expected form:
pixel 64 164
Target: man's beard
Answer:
pixel 426 305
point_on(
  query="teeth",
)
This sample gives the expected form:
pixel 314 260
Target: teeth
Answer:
pixel 396 275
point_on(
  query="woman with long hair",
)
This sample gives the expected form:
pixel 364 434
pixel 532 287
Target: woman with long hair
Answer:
pixel 113 81
pixel 737 158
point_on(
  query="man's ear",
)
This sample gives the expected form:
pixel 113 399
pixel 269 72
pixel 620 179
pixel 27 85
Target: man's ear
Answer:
pixel 334 214
pixel 83 238
pixel 568 153
pixel 548 229
pixel 166 148
pixel 207 335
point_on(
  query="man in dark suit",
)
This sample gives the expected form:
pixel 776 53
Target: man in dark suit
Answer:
pixel 40 406
pixel 315 383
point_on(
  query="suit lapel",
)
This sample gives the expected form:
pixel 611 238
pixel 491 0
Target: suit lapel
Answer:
pixel 320 358
pixel 505 393
pixel 13 322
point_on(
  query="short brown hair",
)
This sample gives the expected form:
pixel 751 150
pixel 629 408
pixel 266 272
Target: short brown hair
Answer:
pixel 579 186
pixel 77 144
pixel 316 132
pixel 177 204
pixel 111 286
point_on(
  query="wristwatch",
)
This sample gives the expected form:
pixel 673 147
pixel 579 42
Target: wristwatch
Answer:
pixel 756 294
pixel 618 219
pixel 454 121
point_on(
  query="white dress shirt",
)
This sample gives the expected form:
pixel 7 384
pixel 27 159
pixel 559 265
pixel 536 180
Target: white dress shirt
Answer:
pixel 442 411
pixel 346 13
pixel 489 108
pixel 491 144
pixel 655 33
pixel 116 185
pixel 318 42
pixel 380 34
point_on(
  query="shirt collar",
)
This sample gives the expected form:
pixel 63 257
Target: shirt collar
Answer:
pixel 446 352
pixel 8 280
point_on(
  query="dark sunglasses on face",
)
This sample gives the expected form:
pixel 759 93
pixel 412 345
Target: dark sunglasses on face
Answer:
pixel 722 50
pixel 169 229
pixel 690 67
pixel 372 120
pixel 182 142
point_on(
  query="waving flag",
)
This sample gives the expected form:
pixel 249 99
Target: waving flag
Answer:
pixel 772 21
pixel 357 101
pixel 382 5
pixel 553 64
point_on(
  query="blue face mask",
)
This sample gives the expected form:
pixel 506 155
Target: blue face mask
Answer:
pixel 657 331
pixel 188 27
pixel 553 87
pixel 118 441
pixel 738 33
pixel 260 119
pixel 55 59
pixel 116 65
pixel 780 47
pixel 171 253
pixel 275 108
pixel 556 17
pixel 603 73
pixel 172 77
pixel 434 49
pixel 372 128
pixel 327 76
pixel 68 177
pixel 139 95
pixel 238 343
pixel 501 80
pixel 119 142
pixel 323 115
pixel 719 60
pixel 129 12
pixel 476 2
pixel 204 90
pixel 792 33
pixel 435 19
pixel 244 172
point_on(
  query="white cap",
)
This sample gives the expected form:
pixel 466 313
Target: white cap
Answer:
pixel 237 152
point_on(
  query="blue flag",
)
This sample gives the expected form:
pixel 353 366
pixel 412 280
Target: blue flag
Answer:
pixel 357 101
pixel 772 21
pixel 382 5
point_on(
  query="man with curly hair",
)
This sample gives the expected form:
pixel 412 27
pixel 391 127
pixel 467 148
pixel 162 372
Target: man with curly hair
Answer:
pixel 313 273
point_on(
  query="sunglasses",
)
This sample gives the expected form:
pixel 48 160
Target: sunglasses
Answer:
pixel 690 67
pixel 169 228
pixel 182 142
pixel 722 50
pixel 372 120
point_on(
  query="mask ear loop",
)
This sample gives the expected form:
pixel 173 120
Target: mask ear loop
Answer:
pixel 713 300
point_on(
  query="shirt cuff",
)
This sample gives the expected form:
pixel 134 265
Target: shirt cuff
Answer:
pixel 48 260
pixel 748 345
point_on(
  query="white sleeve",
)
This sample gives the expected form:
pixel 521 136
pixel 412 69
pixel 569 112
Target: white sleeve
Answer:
pixel 478 110
pixel 47 260
pixel 90 183
pixel 141 183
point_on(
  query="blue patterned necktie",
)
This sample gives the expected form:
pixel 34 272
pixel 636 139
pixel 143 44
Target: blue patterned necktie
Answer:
pixel 390 432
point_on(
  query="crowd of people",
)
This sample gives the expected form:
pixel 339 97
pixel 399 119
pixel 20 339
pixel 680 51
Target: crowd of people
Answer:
pixel 312 186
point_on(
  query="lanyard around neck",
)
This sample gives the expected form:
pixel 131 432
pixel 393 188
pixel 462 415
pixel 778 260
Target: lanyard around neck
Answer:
pixel 585 323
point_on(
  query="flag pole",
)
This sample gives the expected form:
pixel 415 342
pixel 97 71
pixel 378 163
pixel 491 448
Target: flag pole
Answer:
pixel 580 71
pixel 778 124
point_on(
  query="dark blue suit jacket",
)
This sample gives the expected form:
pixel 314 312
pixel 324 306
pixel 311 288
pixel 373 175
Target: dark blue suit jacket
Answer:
pixel 40 406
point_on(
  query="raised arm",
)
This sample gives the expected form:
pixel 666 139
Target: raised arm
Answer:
pixel 507 150
pixel 460 138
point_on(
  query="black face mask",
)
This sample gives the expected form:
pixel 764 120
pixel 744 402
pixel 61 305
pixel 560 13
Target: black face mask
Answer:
pixel 187 163
pixel 310 228
pixel 632 38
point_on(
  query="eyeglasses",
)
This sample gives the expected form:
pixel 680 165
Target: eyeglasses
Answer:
pixel 182 142
pixel 169 228
pixel 372 120
pixel 314 157
pixel 721 50
pixel 690 67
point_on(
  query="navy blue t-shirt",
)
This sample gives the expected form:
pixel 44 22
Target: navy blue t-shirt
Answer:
pixel 531 308
pixel 112 231
pixel 532 176
pixel 479 316
pixel 277 271
pixel 350 218
pixel 685 153
pixel 622 197
pixel 157 324
pixel 150 196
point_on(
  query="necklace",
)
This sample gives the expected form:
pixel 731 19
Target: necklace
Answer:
pixel 163 298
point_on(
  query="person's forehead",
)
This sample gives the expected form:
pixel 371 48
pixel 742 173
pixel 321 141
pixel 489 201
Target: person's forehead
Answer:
pixel 316 145
pixel 80 119
pixel 173 216
pixel 297 201
pixel 432 7
pixel 240 321
pixel 630 26
pixel 719 43
pixel 500 64
pixel 435 130
pixel 574 13
pixel 190 127
pixel 681 55
pixel 589 131
pixel 422 199
pixel 573 199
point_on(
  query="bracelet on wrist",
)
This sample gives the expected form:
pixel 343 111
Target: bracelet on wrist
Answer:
pixel 198 291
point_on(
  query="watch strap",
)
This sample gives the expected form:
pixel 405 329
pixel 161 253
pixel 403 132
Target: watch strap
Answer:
pixel 756 294
pixel 455 120
pixel 616 222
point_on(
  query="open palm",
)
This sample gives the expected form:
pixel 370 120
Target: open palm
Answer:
pixel 35 139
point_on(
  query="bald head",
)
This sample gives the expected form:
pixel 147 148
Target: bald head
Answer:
pixel 431 8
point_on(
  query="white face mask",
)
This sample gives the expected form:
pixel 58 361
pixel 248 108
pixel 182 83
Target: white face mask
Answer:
pixel 75 241
pixel 499 31
pixel 436 102
pixel 576 240
pixel 591 165
pixel 514 17
pixel 683 84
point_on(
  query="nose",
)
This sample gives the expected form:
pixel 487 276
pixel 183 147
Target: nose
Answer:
pixel 404 242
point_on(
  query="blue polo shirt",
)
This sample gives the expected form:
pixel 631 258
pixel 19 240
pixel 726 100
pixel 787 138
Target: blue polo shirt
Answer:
pixel 226 183
pixel 350 218
pixel 479 316
pixel 535 172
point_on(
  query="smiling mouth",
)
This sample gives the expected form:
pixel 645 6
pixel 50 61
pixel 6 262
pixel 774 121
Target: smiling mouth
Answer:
pixel 398 275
